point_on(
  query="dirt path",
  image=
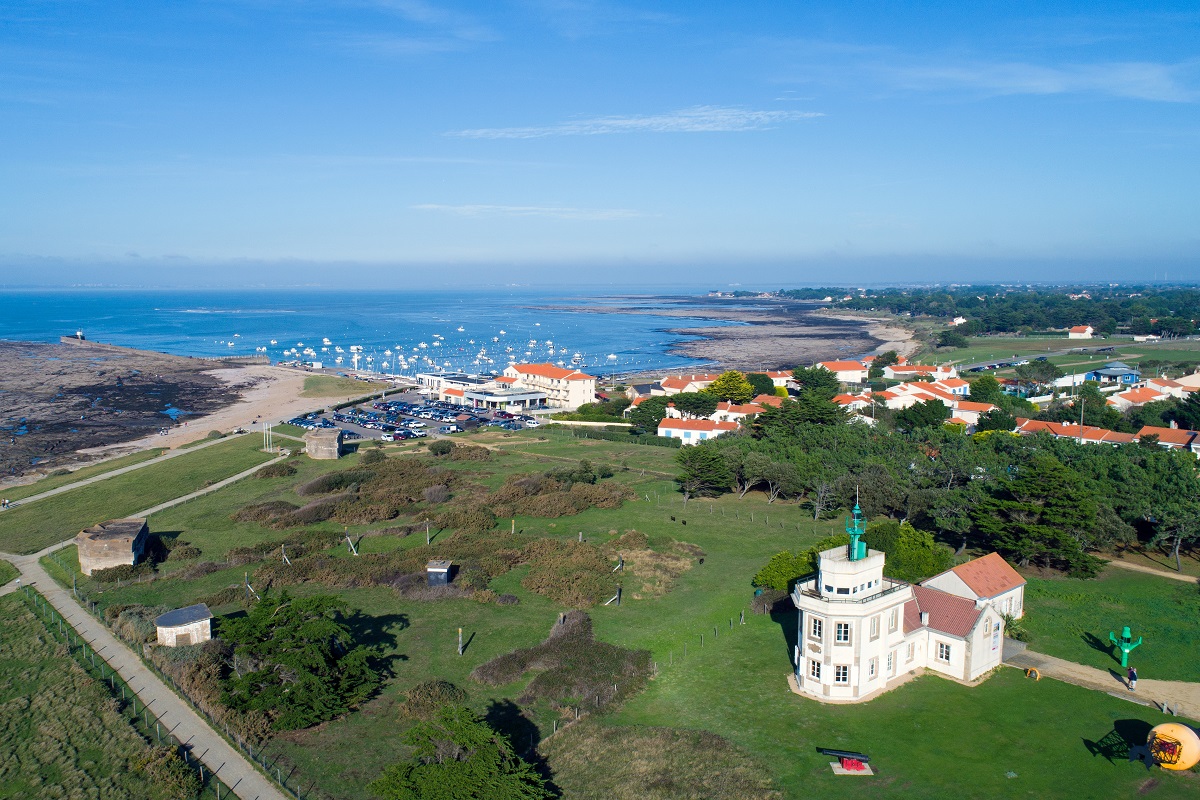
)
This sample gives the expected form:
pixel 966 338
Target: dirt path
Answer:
pixel 1149 692
pixel 220 757
pixel 1162 573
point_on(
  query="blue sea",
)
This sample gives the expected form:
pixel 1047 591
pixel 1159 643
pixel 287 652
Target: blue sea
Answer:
pixel 397 331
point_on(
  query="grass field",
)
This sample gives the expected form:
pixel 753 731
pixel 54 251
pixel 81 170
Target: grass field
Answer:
pixel 26 529
pixel 59 734
pixel 1072 618
pixel 54 481
pixel 7 572
pixel 331 386
pixel 733 685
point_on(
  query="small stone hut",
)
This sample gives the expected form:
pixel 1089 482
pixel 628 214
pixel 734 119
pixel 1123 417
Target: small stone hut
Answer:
pixel 111 544
pixel 323 443
pixel 184 626
pixel 439 572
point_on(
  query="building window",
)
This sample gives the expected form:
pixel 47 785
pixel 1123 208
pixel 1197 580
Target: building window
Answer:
pixel 816 628
pixel 843 590
pixel 875 627
pixel 872 666
pixel 943 652
pixel 892 621
pixel 909 654
pixel 814 669
pixel 841 633
pixel 828 589
pixel 841 675
pixel 891 663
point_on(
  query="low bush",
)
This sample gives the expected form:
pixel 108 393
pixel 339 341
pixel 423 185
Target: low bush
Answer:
pixel 215 435
pixel 469 452
pixel 573 669
pixel 58 473
pixel 334 481
pixel 424 700
pixel 436 494
pixel 372 457
pixel 280 469
pixel 200 569
pixel 263 513
pixel 182 552
pixel 441 447
pixel 168 772
pixel 507 600
pixel 123 572
pixel 569 573
pixel 230 594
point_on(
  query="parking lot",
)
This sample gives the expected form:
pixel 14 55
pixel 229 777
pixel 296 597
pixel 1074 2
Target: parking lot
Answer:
pixel 409 416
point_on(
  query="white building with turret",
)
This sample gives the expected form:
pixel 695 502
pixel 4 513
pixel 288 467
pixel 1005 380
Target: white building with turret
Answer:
pixel 859 633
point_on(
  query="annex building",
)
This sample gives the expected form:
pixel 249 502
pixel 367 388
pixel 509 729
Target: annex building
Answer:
pixel 859 633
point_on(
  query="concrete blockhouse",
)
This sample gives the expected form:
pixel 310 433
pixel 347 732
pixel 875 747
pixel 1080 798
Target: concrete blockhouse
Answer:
pixel 324 443
pixel 184 626
pixel 112 544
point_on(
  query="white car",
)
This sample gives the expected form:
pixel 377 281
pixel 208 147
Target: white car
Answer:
pixel 532 423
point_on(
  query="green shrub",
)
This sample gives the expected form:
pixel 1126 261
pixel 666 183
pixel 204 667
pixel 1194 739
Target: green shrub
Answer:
pixel 372 457
pixel 263 513
pixel 569 573
pixel 58 473
pixel 215 435
pixel 168 772
pixel 335 481
pixel 424 700
pixel 182 552
pixel 122 572
pixel 468 452
pixel 441 447
pixel 280 469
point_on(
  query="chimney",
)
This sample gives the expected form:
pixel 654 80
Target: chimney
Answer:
pixel 924 618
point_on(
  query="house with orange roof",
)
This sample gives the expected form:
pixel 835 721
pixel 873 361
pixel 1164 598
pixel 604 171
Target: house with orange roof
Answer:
pixel 1169 387
pixel 846 371
pixel 906 372
pixel 694 431
pixel 769 400
pixel 1133 398
pixel 564 388
pixel 989 579
pixel 860 633
pixel 1081 332
pixel 1172 438
pixel 735 412
pixel 779 377
pixel 955 386
pixel 678 384
pixel 970 412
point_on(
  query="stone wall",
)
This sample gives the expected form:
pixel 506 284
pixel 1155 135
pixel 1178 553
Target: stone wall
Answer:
pixel 111 544
pixel 182 635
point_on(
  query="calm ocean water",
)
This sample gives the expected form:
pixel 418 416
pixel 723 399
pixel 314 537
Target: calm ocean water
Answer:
pixel 398 331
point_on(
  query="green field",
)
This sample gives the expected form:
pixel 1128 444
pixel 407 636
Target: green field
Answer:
pixel 27 529
pixel 924 736
pixel 1072 618
pixel 331 386
pixel 54 481
pixel 59 733
pixel 7 572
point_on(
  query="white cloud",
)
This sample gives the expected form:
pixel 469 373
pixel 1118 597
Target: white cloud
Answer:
pixel 1138 80
pixel 698 119
pixel 556 212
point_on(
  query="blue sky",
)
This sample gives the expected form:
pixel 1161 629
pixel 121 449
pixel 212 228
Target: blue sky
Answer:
pixel 762 143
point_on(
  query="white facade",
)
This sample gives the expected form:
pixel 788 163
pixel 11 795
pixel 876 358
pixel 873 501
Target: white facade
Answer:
pixel 1080 332
pixel 858 632
pixel 565 388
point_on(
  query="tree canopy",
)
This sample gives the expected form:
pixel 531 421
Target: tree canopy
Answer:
pixel 457 756
pixel 731 386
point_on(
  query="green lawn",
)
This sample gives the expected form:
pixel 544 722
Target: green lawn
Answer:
pixel 7 572
pixel 332 386
pixel 1072 618
pixel 54 481
pixel 59 734
pixel 26 529
pixel 924 735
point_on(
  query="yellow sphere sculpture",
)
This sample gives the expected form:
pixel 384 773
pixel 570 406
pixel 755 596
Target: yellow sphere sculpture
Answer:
pixel 1174 746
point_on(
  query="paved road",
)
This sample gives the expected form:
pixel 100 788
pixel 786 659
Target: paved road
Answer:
pixel 66 487
pixel 1149 691
pixel 218 756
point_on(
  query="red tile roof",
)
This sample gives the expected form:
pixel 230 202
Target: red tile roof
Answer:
pixel 697 425
pixel 953 383
pixel 743 408
pixel 769 400
pixel 779 373
pixel 1141 395
pixel 989 576
pixel 841 366
pixel 1080 329
pixel 453 392
pixel 1171 436
pixel 505 379
pixel 982 408
pixel 551 371
pixel 952 615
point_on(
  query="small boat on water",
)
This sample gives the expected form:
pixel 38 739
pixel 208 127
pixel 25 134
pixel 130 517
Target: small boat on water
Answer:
pixel 461 329
pixel 577 358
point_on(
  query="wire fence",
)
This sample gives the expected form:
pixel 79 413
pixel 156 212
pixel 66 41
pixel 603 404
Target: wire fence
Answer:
pixel 135 710
pixel 270 765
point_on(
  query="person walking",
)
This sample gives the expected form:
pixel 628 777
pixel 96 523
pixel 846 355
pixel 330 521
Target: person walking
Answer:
pixel 1132 679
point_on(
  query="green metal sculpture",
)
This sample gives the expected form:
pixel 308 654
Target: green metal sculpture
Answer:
pixel 1126 643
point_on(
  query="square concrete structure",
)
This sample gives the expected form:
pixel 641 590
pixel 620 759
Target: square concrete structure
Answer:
pixel 323 443
pixel 113 543
pixel 438 572
pixel 184 626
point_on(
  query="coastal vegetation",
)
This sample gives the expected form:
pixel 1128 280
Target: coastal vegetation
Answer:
pixel 715 710
pixel 332 386
pixel 60 734
pixel 63 476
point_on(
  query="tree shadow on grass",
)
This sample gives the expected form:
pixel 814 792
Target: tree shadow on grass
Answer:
pixel 507 717
pixel 379 633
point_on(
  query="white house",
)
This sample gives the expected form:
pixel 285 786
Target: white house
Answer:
pixel 846 371
pixel 564 388
pixel 1081 332
pixel 694 431
pixel 679 384
pixel 907 372
pixel 859 632
pixel 184 626
pixel 989 579
pixel 957 321
pixel 734 412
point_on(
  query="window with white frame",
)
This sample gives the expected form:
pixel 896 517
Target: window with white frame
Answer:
pixel 814 669
pixel 891 663
pixel 909 655
pixel 841 674
pixel 875 627
pixel 872 667
pixel 815 629
pixel 943 652
pixel 841 633
pixel 892 618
